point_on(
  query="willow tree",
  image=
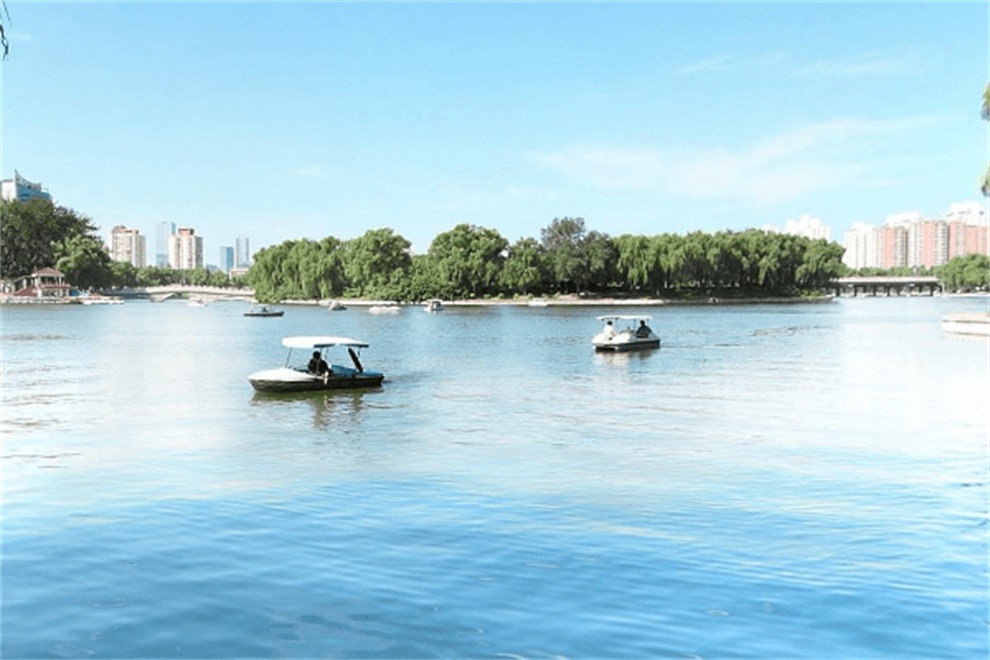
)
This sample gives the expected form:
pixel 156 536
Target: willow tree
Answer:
pixel 377 263
pixel 468 260
pixel 525 269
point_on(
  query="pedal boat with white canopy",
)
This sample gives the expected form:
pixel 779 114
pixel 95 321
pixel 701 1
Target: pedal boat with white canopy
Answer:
pixel 634 334
pixel 295 377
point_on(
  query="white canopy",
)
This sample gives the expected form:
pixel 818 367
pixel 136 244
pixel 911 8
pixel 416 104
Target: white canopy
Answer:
pixel 624 317
pixel 321 342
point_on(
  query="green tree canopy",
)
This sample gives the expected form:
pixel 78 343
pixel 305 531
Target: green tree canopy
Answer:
pixel 468 261
pixel 377 264
pixel 30 232
pixel 971 271
pixel 525 268
pixel 562 241
pixel 84 261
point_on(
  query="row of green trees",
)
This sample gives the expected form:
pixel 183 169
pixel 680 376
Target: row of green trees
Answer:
pixel 969 272
pixel 466 262
pixel 474 262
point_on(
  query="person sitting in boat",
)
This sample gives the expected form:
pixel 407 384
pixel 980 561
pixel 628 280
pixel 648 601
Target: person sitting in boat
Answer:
pixel 643 330
pixel 317 365
pixel 608 330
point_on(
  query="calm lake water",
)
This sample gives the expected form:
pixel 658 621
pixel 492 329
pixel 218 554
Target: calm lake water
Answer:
pixel 775 481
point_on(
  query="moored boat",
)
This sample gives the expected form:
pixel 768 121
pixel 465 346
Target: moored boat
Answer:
pixel 434 305
pixel 319 373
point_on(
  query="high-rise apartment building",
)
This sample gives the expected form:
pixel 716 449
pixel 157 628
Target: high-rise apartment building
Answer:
pixel 163 232
pixel 242 256
pixel 928 242
pixel 862 247
pixel 808 227
pixel 185 249
pixel 127 245
pixel 966 239
pixel 909 239
pixel 21 190
pixel 893 246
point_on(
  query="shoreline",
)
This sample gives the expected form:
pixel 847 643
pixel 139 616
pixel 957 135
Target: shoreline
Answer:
pixel 573 301
pixel 562 301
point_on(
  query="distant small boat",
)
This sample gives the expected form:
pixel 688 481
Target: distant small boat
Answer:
pixel 386 308
pixel 336 306
pixel 629 338
pixel 195 303
pixel 434 305
pixel 101 300
pixel 322 376
pixel 264 310
pixel 538 302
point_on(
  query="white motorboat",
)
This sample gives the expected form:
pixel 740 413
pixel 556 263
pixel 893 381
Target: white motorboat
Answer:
pixel 297 376
pixel 336 306
pixel 433 305
pixel 96 299
pixel 634 334
pixel 385 308
pixel 538 302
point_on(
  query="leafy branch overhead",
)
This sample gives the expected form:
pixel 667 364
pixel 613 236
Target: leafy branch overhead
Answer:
pixel 985 113
pixel 4 22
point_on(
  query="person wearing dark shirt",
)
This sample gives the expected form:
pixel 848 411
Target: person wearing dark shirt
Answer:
pixel 317 365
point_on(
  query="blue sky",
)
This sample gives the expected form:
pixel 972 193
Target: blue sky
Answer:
pixel 304 120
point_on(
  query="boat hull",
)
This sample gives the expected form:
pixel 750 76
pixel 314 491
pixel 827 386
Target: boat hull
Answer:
pixel 625 340
pixel 291 380
pixel 621 346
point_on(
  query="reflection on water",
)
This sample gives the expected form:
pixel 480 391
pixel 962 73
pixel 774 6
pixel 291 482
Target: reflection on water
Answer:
pixel 774 481
pixel 624 357
pixel 337 408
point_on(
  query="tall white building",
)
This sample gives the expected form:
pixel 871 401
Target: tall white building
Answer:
pixel 185 249
pixel 127 245
pixel 862 243
pixel 242 252
pixel 808 227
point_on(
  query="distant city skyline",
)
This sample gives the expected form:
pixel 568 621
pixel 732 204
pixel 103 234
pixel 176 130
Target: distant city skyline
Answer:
pixel 915 240
pixel 640 118
pixel 903 239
